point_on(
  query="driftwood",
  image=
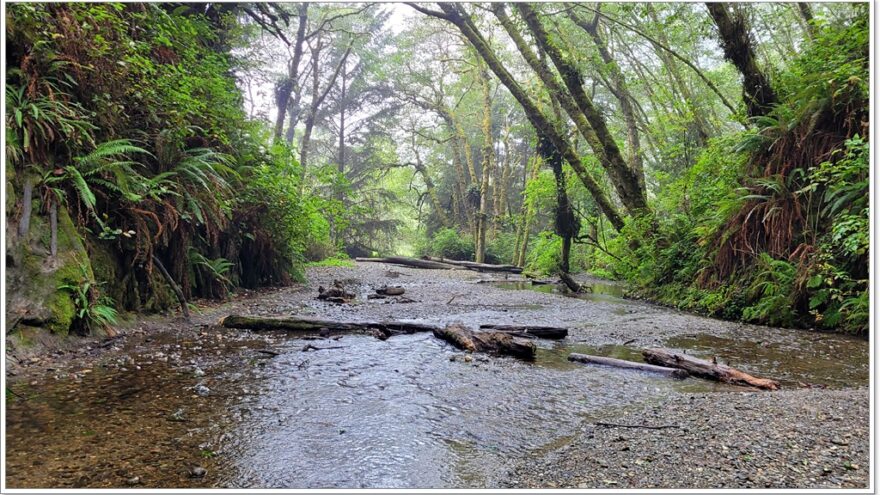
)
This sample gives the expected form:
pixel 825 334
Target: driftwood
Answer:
pixel 413 262
pixel 543 332
pixel 492 342
pixel 390 291
pixel 707 369
pixel 480 267
pixel 620 363
pixel 323 327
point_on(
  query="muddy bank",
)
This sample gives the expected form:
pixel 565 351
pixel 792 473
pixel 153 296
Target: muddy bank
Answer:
pixel 407 412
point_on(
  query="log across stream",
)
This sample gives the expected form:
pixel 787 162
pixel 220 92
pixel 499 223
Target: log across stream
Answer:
pixel 512 340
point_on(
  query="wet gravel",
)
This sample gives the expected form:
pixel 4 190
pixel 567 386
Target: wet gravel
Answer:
pixel 786 439
pixel 796 438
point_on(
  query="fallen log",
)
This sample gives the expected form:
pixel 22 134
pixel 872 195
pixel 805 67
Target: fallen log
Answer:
pixel 707 369
pixel 413 262
pixel 307 325
pixel 390 291
pixel 491 342
pixel 543 332
pixel 472 265
pixel 620 363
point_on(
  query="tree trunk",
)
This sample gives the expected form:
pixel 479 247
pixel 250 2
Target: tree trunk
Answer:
pixel 806 15
pixel 429 185
pixel 283 99
pixel 341 164
pixel 621 92
pixel 601 141
pixel 620 363
pixel 184 306
pixel 488 160
pixel 318 97
pixel 541 123
pixel 570 282
pixel 527 210
pixel 706 369
pixel 758 94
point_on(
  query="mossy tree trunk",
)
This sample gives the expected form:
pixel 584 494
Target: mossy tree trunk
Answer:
pixel 733 31
pixel 625 182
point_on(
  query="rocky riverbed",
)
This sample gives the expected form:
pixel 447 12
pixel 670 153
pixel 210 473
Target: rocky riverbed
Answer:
pixel 170 403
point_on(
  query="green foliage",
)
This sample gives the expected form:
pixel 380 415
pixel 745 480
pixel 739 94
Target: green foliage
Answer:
pixel 772 291
pixel 500 249
pixel 449 243
pixel 333 261
pixel 712 247
pixel 545 254
pixel 92 310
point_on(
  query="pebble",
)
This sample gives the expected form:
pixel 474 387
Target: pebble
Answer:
pixel 197 472
pixel 202 390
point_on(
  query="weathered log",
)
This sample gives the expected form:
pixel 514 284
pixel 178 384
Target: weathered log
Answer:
pixel 544 332
pixel 491 342
pixel 706 369
pixel 620 363
pixel 569 282
pixel 458 336
pixel 472 265
pixel 390 291
pixel 307 325
pixel 413 262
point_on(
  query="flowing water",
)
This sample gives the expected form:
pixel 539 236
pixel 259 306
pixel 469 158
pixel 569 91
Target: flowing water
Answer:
pixel 410 411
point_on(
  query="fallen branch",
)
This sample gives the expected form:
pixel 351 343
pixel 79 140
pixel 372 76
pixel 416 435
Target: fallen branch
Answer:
pixel 646 427
pixel 544 332
pixel 620 363
pixel 706 369
pixel 310 347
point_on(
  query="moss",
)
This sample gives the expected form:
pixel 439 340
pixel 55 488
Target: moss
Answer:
pixel 34 278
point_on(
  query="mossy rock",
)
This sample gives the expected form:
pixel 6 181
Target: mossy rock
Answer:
pixel 33 276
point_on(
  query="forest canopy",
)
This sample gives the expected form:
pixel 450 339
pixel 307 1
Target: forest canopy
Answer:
pixel 714 156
